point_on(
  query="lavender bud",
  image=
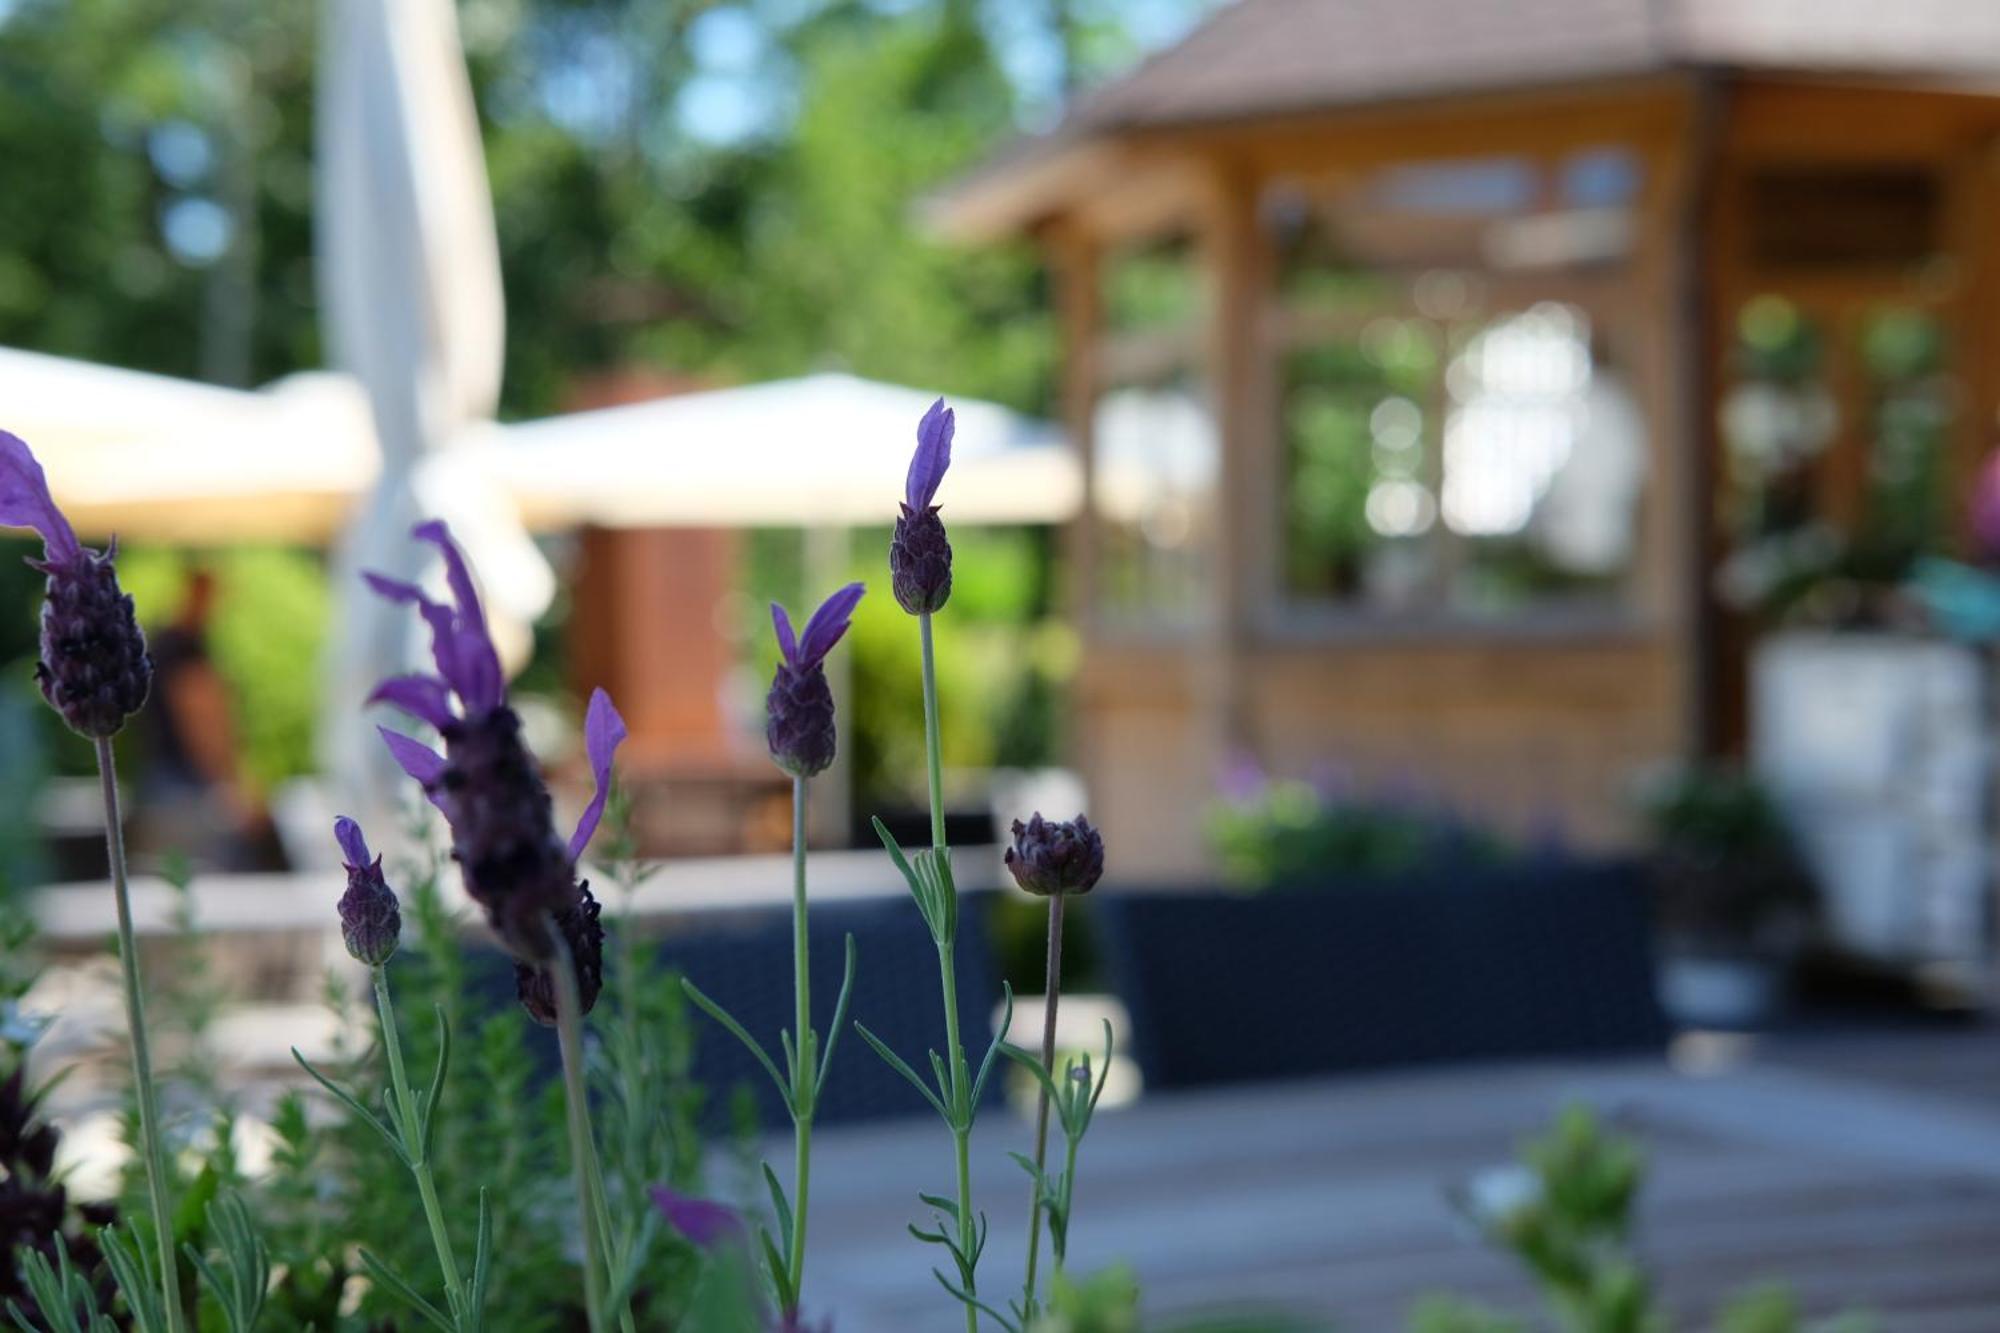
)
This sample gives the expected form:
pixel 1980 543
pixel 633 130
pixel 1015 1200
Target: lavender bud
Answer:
pixel 799 709
pixel 920 561
pixel 919 554
pixel 799 724
pixel 94 670
pixel 1049 858
pixel 584 934
pixel 371 923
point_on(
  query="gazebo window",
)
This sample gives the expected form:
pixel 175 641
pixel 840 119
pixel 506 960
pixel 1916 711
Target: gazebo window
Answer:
pixel 1457 436
pixel 1155 450
pixel 1796 504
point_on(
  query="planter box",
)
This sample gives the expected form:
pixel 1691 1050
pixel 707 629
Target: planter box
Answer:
pixel 744 961
pixel 1533 959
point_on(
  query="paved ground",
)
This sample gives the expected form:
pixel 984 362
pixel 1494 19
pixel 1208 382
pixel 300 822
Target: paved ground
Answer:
pixel 1864 1170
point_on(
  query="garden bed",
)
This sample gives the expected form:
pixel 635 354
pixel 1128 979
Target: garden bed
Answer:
pixel 1534 958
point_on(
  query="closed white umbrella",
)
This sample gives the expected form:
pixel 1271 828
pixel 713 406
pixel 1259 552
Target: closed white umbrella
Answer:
pixel 410 286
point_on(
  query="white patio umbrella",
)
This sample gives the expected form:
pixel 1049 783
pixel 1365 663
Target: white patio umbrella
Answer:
pixel 410 286
pixel 823 451
pixel 149 457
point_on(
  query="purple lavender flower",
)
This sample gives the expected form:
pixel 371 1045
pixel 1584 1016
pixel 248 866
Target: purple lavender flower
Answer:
pixel 490 788
pixel 799 709
pixel 919 553
pixel 1984 510
pixel 94 670
pixel 704 1222
pixel 1049 858
pixel 371 922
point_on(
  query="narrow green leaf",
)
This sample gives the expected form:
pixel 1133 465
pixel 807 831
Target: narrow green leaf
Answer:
pixel 134 1276
pixel 781 1277
pixel 388 1277
pixel 965 1298
pixel 895 851
pixel 946 1088
pixel 896 1062
pixel 482 1264
pixel 839 1020
pixel 780 1206
pixel 992 1050
pixel 347 1099
pixel 1033 1064
pixel 721 1015
pixel 428 1113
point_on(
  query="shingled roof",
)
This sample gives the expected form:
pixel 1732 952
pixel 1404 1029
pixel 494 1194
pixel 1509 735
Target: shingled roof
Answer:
pixel 1264 58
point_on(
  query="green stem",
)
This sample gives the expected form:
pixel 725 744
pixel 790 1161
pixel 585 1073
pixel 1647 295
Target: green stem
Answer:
pixel 1052 988
pixel 932 746
pixel 961 1129
pixel 805 1073
pixel 142 1058
pixel 569 1033
pixel 619 1244
pixel 411 1128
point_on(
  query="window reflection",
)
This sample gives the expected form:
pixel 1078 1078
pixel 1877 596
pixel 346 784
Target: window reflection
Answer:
pixel 1835 432
pixel 1154 486
pixel 1454 438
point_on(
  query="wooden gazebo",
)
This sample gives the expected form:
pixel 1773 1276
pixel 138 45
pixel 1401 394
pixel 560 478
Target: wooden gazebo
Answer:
pixel 1456 376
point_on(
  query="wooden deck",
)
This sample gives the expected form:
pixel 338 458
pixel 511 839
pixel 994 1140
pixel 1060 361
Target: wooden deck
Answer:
pixel 1864 1171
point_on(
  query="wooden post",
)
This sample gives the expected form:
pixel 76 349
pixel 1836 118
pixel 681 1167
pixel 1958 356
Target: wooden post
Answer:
pixel 1234 253
pixel 1075 261
pixel 1974 327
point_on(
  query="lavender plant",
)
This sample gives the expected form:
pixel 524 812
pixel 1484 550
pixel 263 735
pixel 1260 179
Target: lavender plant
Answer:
pixel 801 735
pixel 371 924
pixel 1054 861
pixel 491 793
pixel 95 673
pixel 920 571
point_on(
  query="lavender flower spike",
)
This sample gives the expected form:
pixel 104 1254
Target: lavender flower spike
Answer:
pixel 94 670
pixel 799 725
pixel 489 787
pixel 371 922
pixel 1050 857
pixel 919 552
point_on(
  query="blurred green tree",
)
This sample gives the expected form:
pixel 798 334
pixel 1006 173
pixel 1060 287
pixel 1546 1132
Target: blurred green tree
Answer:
pixel 716 191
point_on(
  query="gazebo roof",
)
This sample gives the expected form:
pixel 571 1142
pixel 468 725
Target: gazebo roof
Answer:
pixel 1267 58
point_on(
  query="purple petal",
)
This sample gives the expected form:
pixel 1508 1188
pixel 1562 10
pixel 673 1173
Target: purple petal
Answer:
pixel 933 455
pixel 788 643
pixel 603 732
pixel 425 698
pixel 25 501
pixel 441 618
pixel 462 652
pixel 353 847
pixel 828 624
pixel 703 1221
pixel 480 687
pixel 420 761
